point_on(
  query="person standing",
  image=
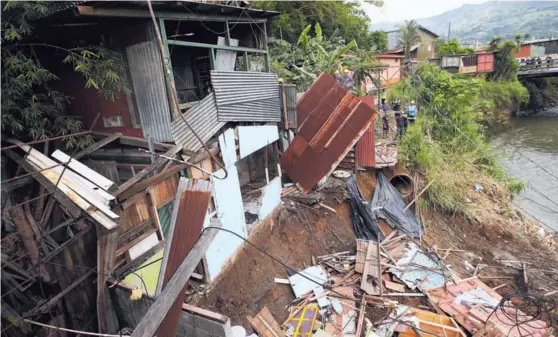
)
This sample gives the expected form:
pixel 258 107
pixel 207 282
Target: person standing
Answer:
pixel 412 112
pixel 385 125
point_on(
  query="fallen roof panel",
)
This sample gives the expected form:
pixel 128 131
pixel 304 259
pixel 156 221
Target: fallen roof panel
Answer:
pixel 335 121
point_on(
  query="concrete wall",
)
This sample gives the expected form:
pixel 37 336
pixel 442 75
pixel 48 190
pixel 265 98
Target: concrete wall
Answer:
pixel 194 322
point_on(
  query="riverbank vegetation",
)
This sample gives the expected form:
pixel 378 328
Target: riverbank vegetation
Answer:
pixel 447 144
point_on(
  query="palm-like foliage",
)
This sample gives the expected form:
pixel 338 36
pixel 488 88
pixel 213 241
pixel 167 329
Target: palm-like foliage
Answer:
pixel 408 36
pixel 311 56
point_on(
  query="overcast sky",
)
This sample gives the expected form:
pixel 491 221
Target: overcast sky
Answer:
pixel 399 10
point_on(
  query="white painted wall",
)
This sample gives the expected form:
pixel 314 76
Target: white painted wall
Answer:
pixel 230 211
pixel 253 138
pixel 271 198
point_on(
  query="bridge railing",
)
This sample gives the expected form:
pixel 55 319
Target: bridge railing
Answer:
pixel 538 63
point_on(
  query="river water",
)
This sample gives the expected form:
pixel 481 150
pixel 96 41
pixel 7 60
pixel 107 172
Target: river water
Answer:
pixel 530 147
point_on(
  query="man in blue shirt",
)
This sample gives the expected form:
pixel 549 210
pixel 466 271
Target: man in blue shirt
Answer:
pixel 412 112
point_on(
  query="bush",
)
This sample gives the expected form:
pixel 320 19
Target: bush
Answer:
pixel 447 142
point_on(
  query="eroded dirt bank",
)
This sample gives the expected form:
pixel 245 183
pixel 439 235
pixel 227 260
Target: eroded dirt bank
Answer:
pixel 247 284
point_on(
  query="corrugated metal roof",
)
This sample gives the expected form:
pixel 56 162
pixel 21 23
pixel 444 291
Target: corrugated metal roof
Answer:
pixel 148 81
pixel 246 96
pixel 335 121
pixel 203 119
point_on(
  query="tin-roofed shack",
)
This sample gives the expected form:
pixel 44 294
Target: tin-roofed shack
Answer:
pixel 66 237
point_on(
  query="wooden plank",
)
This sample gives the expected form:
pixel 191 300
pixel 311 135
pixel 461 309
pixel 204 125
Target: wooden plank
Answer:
pixel 157 163
pixel 26 233
pixel 148 326
pixel 97 145
pixel 394 286
pixel 83 170
pixel 11 185
pixel 14 318
pixel 135 141
pixel 265 324
pixel 106 256
pixel 370 269
pixel 152 181
pixel 64 200
pixel 361 317
pixel 154 214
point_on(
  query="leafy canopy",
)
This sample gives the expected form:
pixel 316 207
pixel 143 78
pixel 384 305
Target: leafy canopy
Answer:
pixel 31 107
pixel 346 17
pixel 452 47
pixel 314 54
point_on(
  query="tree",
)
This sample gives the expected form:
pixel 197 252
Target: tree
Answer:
pixel 505 64
pixel 408 36
pixel 302 62
pixel 452 47
pixel 31 108
pixel 344 17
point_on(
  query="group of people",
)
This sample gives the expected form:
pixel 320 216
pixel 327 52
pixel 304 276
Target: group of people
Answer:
pixel 402 118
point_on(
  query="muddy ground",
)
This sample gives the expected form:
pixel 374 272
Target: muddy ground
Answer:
pixel 295 233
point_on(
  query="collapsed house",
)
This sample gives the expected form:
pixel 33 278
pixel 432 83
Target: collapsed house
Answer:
pixel 108 238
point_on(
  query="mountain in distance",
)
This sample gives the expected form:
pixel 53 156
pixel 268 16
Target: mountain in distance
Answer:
pixel 473 23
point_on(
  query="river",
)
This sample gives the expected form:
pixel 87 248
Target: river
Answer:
pixel 530 145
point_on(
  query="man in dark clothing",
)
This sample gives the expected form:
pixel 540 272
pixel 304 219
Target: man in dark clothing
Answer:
pixel 385 125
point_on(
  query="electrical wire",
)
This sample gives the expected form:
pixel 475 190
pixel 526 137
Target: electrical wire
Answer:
pixel 523 310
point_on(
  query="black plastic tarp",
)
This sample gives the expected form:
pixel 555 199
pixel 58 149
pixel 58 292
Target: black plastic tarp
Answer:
pixel 365 224
pixel 388 204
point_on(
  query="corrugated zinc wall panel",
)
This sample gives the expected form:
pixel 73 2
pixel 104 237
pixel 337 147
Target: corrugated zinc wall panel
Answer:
pixel 203 119
pixel 290 98
pixel 148 81
pixel 366 147
pixel 246 96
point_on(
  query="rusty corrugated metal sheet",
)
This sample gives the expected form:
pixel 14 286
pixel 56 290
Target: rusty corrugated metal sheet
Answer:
pixel 335 120
pixel 366 146
pixel 189 211
pixel 309 100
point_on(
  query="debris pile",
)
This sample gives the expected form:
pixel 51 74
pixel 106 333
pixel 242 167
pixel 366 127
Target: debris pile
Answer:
pixel 391 270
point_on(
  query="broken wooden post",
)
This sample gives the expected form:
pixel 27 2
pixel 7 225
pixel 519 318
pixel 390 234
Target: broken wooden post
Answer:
pixel 148 326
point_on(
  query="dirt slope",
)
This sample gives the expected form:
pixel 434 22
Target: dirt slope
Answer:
pixel 247 284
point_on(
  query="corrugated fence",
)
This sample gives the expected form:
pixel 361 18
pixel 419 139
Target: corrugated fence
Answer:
pixel 246 96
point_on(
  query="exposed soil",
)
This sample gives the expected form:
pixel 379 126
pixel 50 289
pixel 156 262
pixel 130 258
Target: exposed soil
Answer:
pixel 247 284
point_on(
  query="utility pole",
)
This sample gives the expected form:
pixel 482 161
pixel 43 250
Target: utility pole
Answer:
pixel 449 30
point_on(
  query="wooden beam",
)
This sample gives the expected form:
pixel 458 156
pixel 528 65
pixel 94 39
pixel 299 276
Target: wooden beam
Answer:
pixel 137 142
pixel 62 198
pixel 148 326
pixel 14 318
pixel 16 183
pixel 152 181
pixel 97 145
pixel 106 251
pixel 53 301
pixel 160 161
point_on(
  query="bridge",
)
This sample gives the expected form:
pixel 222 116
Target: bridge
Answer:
pixel 538 67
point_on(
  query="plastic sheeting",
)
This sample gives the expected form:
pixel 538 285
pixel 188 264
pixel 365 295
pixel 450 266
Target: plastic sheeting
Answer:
pixel 365 224
pixel 388 204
